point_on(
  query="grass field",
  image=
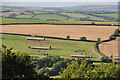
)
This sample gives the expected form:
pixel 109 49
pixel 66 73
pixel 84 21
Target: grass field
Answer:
pixel 74 16
pixel 79 15
pixel 19 44
pixel 31 21
pixel 49 16
pixel 25 16
pixel 109 15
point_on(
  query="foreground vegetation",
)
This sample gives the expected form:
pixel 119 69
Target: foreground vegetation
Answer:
pixel 86 71
pixel 17 65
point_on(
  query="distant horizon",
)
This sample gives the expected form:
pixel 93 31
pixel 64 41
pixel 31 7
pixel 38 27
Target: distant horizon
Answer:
pixel 55 4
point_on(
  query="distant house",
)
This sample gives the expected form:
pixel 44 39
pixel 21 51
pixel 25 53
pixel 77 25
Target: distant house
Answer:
pixel 35 38
pixel 81 56
pixel 40 48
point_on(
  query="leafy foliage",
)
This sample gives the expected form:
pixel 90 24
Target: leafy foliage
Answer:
pixel 83 38
pixel 98 41
pixel 47 61
pixel 106 59
pixel 112 37
pixel 88 72
pixel 18 66
pixel 67 37
pixel 116 32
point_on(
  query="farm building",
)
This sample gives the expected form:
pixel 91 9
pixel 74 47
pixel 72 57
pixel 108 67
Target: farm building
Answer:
pixel 116 57
pixel 35 38
pixel 40 48
pixel 81 56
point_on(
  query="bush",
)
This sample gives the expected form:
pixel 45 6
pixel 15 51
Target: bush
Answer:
pixel 83 38
pixel 112 37
pixel 105 59
pixel 67 37
pixel 116 32
pixel 98 41
pixel 16 65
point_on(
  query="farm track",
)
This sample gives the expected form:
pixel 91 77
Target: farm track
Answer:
pixel 96 53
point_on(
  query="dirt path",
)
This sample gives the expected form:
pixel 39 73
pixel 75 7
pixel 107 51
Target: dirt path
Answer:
pixel 96 53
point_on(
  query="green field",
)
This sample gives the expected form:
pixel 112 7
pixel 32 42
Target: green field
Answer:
pixel 74 16
pixel 31 21
pixel 49 16
pixel 109 15
pixel 25 16
pixel 67 48
pixel 79 15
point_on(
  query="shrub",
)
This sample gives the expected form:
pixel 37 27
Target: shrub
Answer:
pixel 83 38
pixel 112 37
pixel 98 41
pixel 116 32
pixel 105 59
pixel 67 37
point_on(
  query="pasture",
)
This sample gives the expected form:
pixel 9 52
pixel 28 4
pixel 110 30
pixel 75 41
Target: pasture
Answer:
pixel 79 15
pixel 64 48
pixel 108 15
pixel 33 21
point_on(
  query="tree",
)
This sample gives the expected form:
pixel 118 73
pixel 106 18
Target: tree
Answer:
pixel 76 70
pixel 86 71
pixel 67 37
pixel 83 38
pixel 116 32
pixel 98 41
pixel 112 37
pixel 106 59
pixel 16 65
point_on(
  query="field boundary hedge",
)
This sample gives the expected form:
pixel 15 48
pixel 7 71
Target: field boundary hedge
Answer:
pixel 50 37
pixel 58 24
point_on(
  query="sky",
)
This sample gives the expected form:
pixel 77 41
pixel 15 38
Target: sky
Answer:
pixel 60 0
pixel 57 3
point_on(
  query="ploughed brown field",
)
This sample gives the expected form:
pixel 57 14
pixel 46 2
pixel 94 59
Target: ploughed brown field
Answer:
pixel 6 14
pixel 109 48
pixel 74 31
